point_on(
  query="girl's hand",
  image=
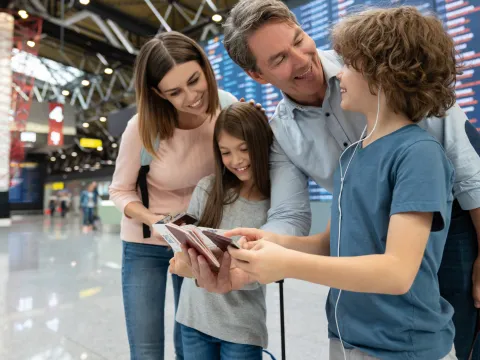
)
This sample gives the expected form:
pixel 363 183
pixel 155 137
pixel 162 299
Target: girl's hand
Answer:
pixel 262 260
pixel 179 266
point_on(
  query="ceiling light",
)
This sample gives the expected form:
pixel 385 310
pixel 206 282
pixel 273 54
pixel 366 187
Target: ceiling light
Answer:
pixel 63 156
pixel 74 154
pixel 84 2
pixel 23 14
pixel 108 71
pixel 217 18
pixel 31 43
pixel 85 82
pixel 99 148
pixel 114 145
pixel 65 92
pixel 103 118
pixel 53 158
pixel 76 167
pixel 86 125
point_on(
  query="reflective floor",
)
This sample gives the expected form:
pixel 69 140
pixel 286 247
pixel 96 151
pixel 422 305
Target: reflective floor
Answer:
pixel 60 298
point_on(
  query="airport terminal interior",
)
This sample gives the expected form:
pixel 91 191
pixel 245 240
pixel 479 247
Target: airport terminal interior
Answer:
pixel 70 67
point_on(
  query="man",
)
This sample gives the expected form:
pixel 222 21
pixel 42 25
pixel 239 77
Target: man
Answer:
pixel 311 131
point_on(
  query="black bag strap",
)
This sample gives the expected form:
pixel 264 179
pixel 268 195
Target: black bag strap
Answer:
pixel 142 184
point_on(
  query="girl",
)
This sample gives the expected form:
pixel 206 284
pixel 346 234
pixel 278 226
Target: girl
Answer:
pixel 392 197
pixel 230 326
pixel 178 103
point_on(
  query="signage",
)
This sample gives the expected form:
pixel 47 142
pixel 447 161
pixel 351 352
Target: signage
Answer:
pixel 55 124
pixel 90 143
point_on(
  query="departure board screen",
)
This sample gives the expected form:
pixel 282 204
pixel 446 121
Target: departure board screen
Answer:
pixel 460 17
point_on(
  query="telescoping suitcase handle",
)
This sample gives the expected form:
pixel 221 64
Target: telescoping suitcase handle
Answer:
pixel 282 318
pixel 282 324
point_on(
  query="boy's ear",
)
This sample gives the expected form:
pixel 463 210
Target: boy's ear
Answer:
pixel 156 91
pixel 258 77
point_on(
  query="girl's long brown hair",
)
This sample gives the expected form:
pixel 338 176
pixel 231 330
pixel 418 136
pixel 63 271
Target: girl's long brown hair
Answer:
pixel 157 116
pixel 245 122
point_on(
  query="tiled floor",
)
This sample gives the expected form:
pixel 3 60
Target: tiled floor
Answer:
pixel 60 298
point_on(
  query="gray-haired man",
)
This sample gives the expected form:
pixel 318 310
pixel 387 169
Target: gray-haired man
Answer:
pixel 311 131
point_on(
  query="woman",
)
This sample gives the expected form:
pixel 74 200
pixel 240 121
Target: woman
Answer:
pixel 88 203
pixel 178 103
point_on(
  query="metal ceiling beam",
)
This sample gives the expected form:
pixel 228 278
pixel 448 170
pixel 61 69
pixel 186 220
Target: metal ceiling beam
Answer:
pixel 124 20
pixel 160 18
pixel 190 8
pixel 90 45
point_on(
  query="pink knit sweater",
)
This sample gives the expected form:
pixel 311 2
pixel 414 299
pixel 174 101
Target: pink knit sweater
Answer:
pixel 183 160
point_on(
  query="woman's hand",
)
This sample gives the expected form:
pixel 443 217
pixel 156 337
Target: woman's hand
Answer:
pixel 153 220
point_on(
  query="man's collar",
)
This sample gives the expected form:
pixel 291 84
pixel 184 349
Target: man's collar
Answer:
pixel 331 64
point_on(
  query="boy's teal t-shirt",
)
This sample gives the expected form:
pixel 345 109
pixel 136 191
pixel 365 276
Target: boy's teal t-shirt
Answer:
pixel 405 171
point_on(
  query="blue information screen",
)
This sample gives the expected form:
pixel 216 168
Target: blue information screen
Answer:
pixel 461 18
pixel 25 183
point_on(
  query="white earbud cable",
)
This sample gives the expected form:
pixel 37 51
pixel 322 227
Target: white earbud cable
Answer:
pixel 342 178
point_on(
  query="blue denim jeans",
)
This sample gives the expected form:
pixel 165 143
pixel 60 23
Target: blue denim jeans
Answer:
pixel 144 281
pixel 455 278
pixel 199 346
pixel 87 216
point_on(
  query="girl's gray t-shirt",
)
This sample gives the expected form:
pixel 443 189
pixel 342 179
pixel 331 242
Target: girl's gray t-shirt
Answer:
pixel 239 316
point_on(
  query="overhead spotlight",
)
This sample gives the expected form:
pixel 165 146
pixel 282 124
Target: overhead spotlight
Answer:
pixel 53 158
pixel 103 118
pixel 74 154
pixel 86 125
pixel 65 92
pixel 63 156
pixel 85 82
pixel 99 148
pixel 84 2
pixel 23 14
pixel 114 145
pixel 217 18
pixel 108 71
pixel 31 43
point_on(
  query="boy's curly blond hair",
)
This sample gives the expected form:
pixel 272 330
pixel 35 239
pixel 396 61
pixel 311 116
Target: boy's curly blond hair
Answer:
pixel 409 54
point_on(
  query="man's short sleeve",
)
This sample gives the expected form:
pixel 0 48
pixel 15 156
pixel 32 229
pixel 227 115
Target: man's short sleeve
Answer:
pixel 423 181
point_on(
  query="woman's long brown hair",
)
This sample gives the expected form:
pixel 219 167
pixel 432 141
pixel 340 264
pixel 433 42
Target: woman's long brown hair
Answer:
pixel 245 122
pixel 157 117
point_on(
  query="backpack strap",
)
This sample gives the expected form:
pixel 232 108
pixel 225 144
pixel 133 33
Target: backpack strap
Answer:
pixel 145 160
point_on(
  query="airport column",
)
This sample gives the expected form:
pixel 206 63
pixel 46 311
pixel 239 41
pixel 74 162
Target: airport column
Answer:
pixel 6 43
